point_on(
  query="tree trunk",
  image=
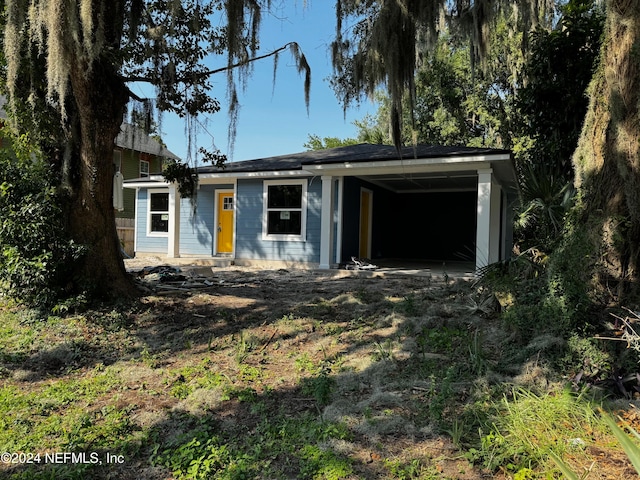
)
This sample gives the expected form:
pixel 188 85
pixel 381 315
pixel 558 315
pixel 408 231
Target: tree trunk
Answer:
pixel 100 98
pixel 607 160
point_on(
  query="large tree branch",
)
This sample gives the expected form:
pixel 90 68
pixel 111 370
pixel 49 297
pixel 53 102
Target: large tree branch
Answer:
pixel 201 75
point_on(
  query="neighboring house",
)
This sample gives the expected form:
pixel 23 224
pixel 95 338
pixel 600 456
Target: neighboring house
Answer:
pixel 319 208
pixel 137 155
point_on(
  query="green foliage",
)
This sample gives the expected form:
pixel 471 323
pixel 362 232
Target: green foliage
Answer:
pixel 528 320
pixel 31 421
pixel 631 448
pixel 552 103
pixel 570 270
pixel 453 105
pixel 588 356
pixel 405 471
pixel 36 255
pixel 527 427
pixel 185 176
pixel 548 294
pixel 546 196
pixel 319 386
pixel 206 452
pixel 319 464
pixel 314 142
pixel 551 106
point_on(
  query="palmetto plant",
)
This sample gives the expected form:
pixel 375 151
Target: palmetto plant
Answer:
pixel 545 198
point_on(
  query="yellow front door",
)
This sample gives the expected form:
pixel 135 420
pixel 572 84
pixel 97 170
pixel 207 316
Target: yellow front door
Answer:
pixel 225 222
pixel 365 223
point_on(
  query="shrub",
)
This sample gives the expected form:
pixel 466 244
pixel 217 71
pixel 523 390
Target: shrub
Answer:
pixel 35 254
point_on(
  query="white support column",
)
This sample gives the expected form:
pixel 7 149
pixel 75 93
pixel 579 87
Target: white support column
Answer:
pixel 483 223
pixel 326 223
pixel 338 219
pixel 173 250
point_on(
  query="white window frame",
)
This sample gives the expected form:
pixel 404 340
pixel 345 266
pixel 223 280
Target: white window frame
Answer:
pixel 149 212
pixel 148 172
pixel 303 209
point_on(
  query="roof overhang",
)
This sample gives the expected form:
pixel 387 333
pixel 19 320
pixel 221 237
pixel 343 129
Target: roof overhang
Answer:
pixel 438 169
pixel 227 177
pixel 451 173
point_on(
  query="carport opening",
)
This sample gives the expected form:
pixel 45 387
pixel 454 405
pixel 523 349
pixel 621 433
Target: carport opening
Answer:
pixel 419 226
pixel 438 226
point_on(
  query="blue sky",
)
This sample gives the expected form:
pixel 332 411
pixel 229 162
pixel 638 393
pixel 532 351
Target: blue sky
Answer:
pixel 273 120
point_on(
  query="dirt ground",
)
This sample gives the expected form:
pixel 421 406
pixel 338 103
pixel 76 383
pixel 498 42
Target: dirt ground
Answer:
pixel 396 346
pixel 346 319
pixel 363 326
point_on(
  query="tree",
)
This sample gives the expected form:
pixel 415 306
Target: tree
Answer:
pixel 607 160
pixel 551 101
pixel 453 105
pixel 550 107
pixel 77 59
pixel 384 43
pixel 314 142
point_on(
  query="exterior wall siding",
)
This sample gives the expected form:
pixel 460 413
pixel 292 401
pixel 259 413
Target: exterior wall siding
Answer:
pixel 130 168
pixel 249 242
pixel 145 243
pixel 197 231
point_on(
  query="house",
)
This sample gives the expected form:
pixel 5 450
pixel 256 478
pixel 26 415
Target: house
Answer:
pixel 319 208
pixel 135 155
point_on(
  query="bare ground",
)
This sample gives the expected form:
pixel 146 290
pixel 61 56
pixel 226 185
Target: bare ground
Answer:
pixel 270 332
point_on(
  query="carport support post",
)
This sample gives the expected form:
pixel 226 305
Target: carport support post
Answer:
pixel 173 250
pixel 488 220
pixel 326 223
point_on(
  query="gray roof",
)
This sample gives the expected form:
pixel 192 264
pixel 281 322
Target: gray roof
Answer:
pixel 133 138
pixel 363 152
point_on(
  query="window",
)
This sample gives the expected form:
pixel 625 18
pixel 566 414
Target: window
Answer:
pixel 158 221
pixel 285 210
pixel 144 168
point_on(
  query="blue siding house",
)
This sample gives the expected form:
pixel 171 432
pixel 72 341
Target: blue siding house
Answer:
pixel 320 208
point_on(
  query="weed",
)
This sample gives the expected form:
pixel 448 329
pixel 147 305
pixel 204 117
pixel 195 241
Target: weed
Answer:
pixel 361 295
pixel 405 471
pixel 409 306
pixel 383 351
pixel 458 431
pixel 245 344
pixel 181 390
pixel 440 394
pixel 526 427
pixel 304 363
pixel 325 464
pixel 477 360
pixel 248 373
pixel 243 394
pixel 441 340
pixel 319 386
pixel 209 453
pixel 149 359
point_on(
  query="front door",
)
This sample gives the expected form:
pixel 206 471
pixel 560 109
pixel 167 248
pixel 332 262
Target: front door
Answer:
pixel 366 204
pixel 225 222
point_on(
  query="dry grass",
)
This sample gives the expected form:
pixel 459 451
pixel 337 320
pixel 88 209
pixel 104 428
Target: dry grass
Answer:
pixel 383 363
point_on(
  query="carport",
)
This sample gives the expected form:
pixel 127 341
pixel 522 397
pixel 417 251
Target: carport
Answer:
pixel 435 204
